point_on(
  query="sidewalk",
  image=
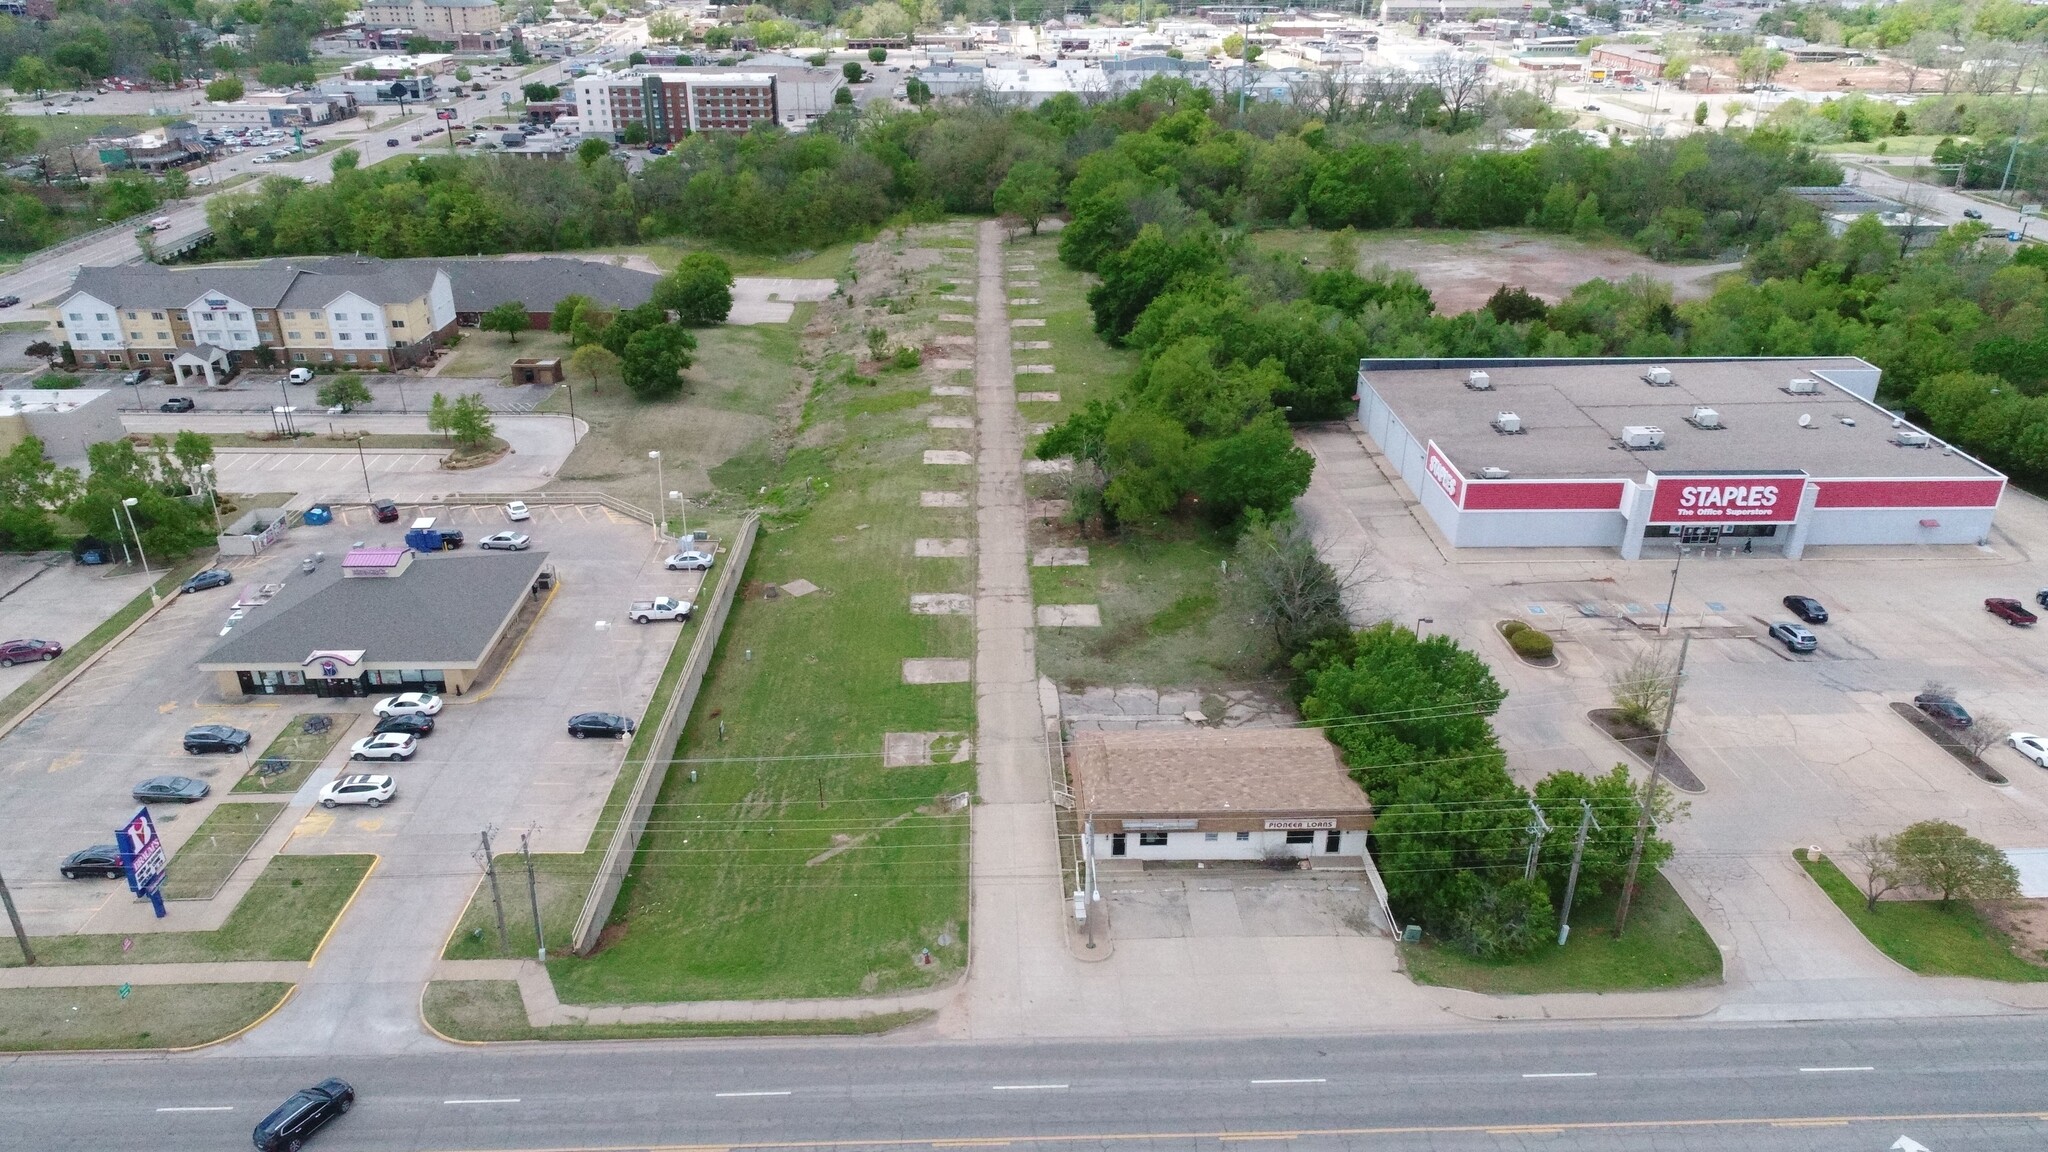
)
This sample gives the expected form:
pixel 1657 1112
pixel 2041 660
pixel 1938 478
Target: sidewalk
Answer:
pixel 543 1008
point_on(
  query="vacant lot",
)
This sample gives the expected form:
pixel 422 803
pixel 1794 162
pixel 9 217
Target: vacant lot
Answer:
pixel 152 1016
pixel 1924 936
pixel 1461 269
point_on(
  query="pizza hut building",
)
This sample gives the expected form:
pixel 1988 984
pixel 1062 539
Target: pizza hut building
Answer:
pixel 1760 454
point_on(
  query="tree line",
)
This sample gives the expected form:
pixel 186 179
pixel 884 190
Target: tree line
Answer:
pixel 43 504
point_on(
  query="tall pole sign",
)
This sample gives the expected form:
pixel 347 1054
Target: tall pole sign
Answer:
pixel 142 858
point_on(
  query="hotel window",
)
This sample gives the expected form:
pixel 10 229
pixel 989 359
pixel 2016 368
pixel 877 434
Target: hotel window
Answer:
pixel 1243 836
pixel 264 316
pixel 107 336
pixel 368 316
pixel 342 336
pixel 1210 837
pixel 78 316
pixel 299 356
pixel 398 323
pixel 156 315
pixel 327 357
pixel 291 335
pixel 163 335
pixel 99 316
pixel 319 335
pixel 141 357
pixel 291 315
pixel 234 315
pixel 348 357
pixel 313 315
pixel 1152 839
pixel 131 315
pixel 206 316
pixel 135 335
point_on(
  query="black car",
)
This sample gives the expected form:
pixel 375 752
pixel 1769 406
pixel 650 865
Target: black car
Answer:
pixel 412 723
pixel 606 724
pixel 1807 609
pixel 99 860
pixel 1972 214
pixel 177 404
pixel 211 578
pixel 308 1111
pixel 387 512
pixel 9 301
pixel 171 790
pixel 450 537
pixel 1943 709
pixel 215 738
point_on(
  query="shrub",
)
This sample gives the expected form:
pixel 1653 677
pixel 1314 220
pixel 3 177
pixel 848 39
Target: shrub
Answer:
pixel 908 358
pixel 1513 628
pixel 1533 644
pixel 56 381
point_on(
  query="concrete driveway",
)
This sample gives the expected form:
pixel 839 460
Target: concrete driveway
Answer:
pixel 773 299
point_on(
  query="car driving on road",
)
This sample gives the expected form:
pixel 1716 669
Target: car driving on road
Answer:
pixel 1807 609
pixel 1793 637
pixel 2011 611
pixel 177 404
pixel 294 1122
pixel 2033 747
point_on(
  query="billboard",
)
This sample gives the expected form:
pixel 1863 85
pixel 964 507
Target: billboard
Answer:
pixel 1443 473
pixel 1727 499
pixel 142 858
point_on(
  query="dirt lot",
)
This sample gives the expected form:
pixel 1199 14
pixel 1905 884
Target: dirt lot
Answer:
pixel 1461 269
pixel 1883 76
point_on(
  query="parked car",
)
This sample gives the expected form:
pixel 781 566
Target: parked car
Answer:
pixel 425 703
pixel 391 143
pixel 1943 709
pixel 299 376
pixel 2041 597
pixel 211 578
pixel 386 511
pixel 371 790
pixel 171 790
pixel 688 561
pixel 1807 609
pixel 14 652
pixel 2033 747
pixel 177 404
pixel 2011 611
pixel 656 150
pixel 660 608
pixel 102 860
pixel 385 746
pixel 135 377
pixel 1793 636
pixel 411 723
pixel 215 738
pixel 517 510
pixel 609 725
pixel 1972 214
pixel 307 1111
pixel 509 541
pixel 9 301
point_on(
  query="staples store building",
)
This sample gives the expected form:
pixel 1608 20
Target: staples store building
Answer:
pixel 1751 454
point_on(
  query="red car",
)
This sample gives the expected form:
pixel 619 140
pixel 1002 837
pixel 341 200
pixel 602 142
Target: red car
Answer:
pixel 2011 611
pixel 15 652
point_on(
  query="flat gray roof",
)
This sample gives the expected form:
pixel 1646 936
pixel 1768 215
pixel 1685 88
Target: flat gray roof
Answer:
pixel 441 613
pixel 1573 413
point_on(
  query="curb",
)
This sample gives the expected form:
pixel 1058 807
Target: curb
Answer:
pixel 446 1038
pixel 246 1028
pixel 375 859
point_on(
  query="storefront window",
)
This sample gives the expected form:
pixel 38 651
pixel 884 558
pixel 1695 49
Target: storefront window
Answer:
pixel 1152 839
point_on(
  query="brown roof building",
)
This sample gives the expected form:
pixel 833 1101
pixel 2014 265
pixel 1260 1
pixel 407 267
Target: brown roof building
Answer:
pixel 1219 794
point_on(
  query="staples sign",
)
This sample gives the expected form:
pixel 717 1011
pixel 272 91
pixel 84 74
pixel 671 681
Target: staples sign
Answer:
pixel 1727 499
pixel 1440 470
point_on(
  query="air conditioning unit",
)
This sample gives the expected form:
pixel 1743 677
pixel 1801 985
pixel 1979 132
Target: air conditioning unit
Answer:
pixel 1479 381
pixel 1638 437
pixel 1659 377
pixel 1912 438
pixel 1493 473
pixel 1704 418
pixel 1803 386
pixel 1507 424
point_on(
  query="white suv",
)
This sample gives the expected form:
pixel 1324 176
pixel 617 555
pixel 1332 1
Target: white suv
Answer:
pixel 371 790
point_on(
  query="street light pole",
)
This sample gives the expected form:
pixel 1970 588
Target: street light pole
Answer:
pixel 129 506
pixel 1672 595
pixel 206 477
pixel 1419 622
pixel 365 462
pixel 682 506
pixel 661 518
pixel 571 386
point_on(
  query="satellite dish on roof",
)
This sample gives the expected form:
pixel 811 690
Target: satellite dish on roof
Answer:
pixel 1805 421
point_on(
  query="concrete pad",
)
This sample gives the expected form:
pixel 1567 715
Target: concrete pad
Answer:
pixel 950 422
pixel 1035 369
pixel 1030 345
pixel 958 299
pixel 1050 509
pixel 1023 283
pixel 799 587
pixel 1038 397
pixel 942 499
pixel 955 318
pixel 941 548
pixel 773 300
pixel 1039 428
pixel 1023 267
pixel 954 340
pixel 941 604
pixel 1024 301
pixel 1020 323
pixel 1069 616
pixel 1060 558
pixel 1047 467
pixel 947 456
pixel 951 390
pixel 917 749
pixel 951 365
pixel 936 671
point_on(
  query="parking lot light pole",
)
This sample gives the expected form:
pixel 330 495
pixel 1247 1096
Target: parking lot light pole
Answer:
pixel 129 505
pixel 1419 622
pixel 365 462
pixel 604 628
pixel 682 506
pixel 206 477
pixel 661 517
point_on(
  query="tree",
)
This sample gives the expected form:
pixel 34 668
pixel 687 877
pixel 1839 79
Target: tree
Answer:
pixel 636 59
pixel 654 359
pixel 1255 469
pixel 1150 460
pixel 1233 47
pixel 1877 857
pixel 225 90
pixel 346 392
pixel 1028 193
pixel 364 72
pixel 699 291
pixel 878 55
pixel 1643 687
pixel 509 317
pixel 567 311
pixel 1942 858
pixel 31 75
pixel 636 133
pixel 917 91
pixel 537 92
pixel 853 72
pixel 591 150
pixel 463 74
pixel 595 363
pixel 1699 114
pixel 32 490
pixel 438 415
pixel 469 420
pixel 666 27
pixel 1288 587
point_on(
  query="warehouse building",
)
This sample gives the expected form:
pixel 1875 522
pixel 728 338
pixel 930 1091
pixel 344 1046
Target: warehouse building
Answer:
pixel 1755 454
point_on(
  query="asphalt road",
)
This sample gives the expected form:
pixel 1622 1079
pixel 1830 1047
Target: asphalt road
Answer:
pixel 1951 1084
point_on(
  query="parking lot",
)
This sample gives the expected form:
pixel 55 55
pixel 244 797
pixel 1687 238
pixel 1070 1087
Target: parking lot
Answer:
pixel 47 596
pixel 257 390
pixel 499 757
pixel 1793 750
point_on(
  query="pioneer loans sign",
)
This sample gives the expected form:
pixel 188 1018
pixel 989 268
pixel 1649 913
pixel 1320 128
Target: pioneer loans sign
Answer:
pixel 1727 499
pixel 1440 470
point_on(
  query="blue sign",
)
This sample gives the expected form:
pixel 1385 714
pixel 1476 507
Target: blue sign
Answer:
pixel 142 858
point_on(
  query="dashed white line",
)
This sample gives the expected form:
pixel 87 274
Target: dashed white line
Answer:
pixel 1026 1087
pixel 729 1094
pixel 1855 1068
pixel 209 1108
pixel 498 1100
pixel 1315 1080
pixel 1558 1075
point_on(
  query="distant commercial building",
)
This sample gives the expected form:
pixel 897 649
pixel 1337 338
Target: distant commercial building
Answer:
pixel 440 20
pixel 1630 58
pixel 67 421
pixel 673 104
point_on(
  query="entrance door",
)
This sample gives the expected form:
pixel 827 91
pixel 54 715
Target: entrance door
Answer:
pixel 1116 843
pixel 1332 840
pixel 1699 534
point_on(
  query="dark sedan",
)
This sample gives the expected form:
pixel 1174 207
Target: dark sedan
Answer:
pixel 215 738
pixel 177 404
pixel 1943 710
pixel 171 790
pixel 386 511
pixel 211 578
pixel 9 301
pixel 1807 609
pixel 607 724
pixel 297 1119
pixel 15 652
pixel 102 860
pixel 410 723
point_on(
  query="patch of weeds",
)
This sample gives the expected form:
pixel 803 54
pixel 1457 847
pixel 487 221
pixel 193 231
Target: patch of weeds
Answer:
pixel 1185 612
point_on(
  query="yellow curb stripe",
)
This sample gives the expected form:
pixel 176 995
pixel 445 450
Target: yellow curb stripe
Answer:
pixel 375 860
pixel 475 697
pixel 289 991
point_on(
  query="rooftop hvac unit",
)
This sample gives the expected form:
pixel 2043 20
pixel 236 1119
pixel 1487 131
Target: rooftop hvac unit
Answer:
pixel 1803 386
pixel 1659 377
pixel 1912 438
pixel 1704 417
pixel 1493 473
pixel 1507 424
pixel 1638 437
pixel 1479 381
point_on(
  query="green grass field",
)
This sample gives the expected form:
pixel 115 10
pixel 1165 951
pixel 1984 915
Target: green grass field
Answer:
pixel 1665 947
pixel 1924 936
pixel 204 862
pixel 303 750
pixel 151 1016
pixel 490 1010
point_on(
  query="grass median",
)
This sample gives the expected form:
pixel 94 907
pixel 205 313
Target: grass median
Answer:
pixel 1922 935
pixel 149 1016
pixel 294 753
pixel 220 844
pixel 490 1010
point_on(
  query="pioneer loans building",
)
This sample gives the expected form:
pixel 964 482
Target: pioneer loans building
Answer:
pixel 1752 454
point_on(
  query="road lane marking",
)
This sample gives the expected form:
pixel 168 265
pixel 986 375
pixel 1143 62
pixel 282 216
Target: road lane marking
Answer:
pixel 1240 1137
pixel 208 1108
pixel 1025 1087
pixel 729 1094
pixel 1316 1080
pixel 1531 1131
pixel 970 1143
pixel 498 1100
pixel 1809 1124
pixel 1558 1075
pixel 1856 1068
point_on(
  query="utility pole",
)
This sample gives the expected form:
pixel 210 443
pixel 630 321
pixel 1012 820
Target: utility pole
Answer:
pixel 533 896
pixel 497 901
pixel 1538 828
pixel 1635 856
pixel 1571 886
pixel 28 955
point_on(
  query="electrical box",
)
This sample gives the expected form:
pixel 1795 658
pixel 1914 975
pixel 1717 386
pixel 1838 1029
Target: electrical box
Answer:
pixel 1911 438
pixel 1803 386
pixel 1659 377
pixel 1479 381
pixel 1642 436
pixel 1507 423
pixel 1493 473
pixel 1705 418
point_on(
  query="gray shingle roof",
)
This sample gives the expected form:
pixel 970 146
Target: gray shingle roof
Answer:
pixel 379 281
pixel 481 285
pixel 309 282
pixel 144 285
pixel 440 614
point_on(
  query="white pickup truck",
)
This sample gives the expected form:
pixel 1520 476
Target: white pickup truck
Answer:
pixel 660 608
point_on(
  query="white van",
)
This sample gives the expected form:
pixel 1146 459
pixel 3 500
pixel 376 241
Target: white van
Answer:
pixel 300 376
pixel 160 224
